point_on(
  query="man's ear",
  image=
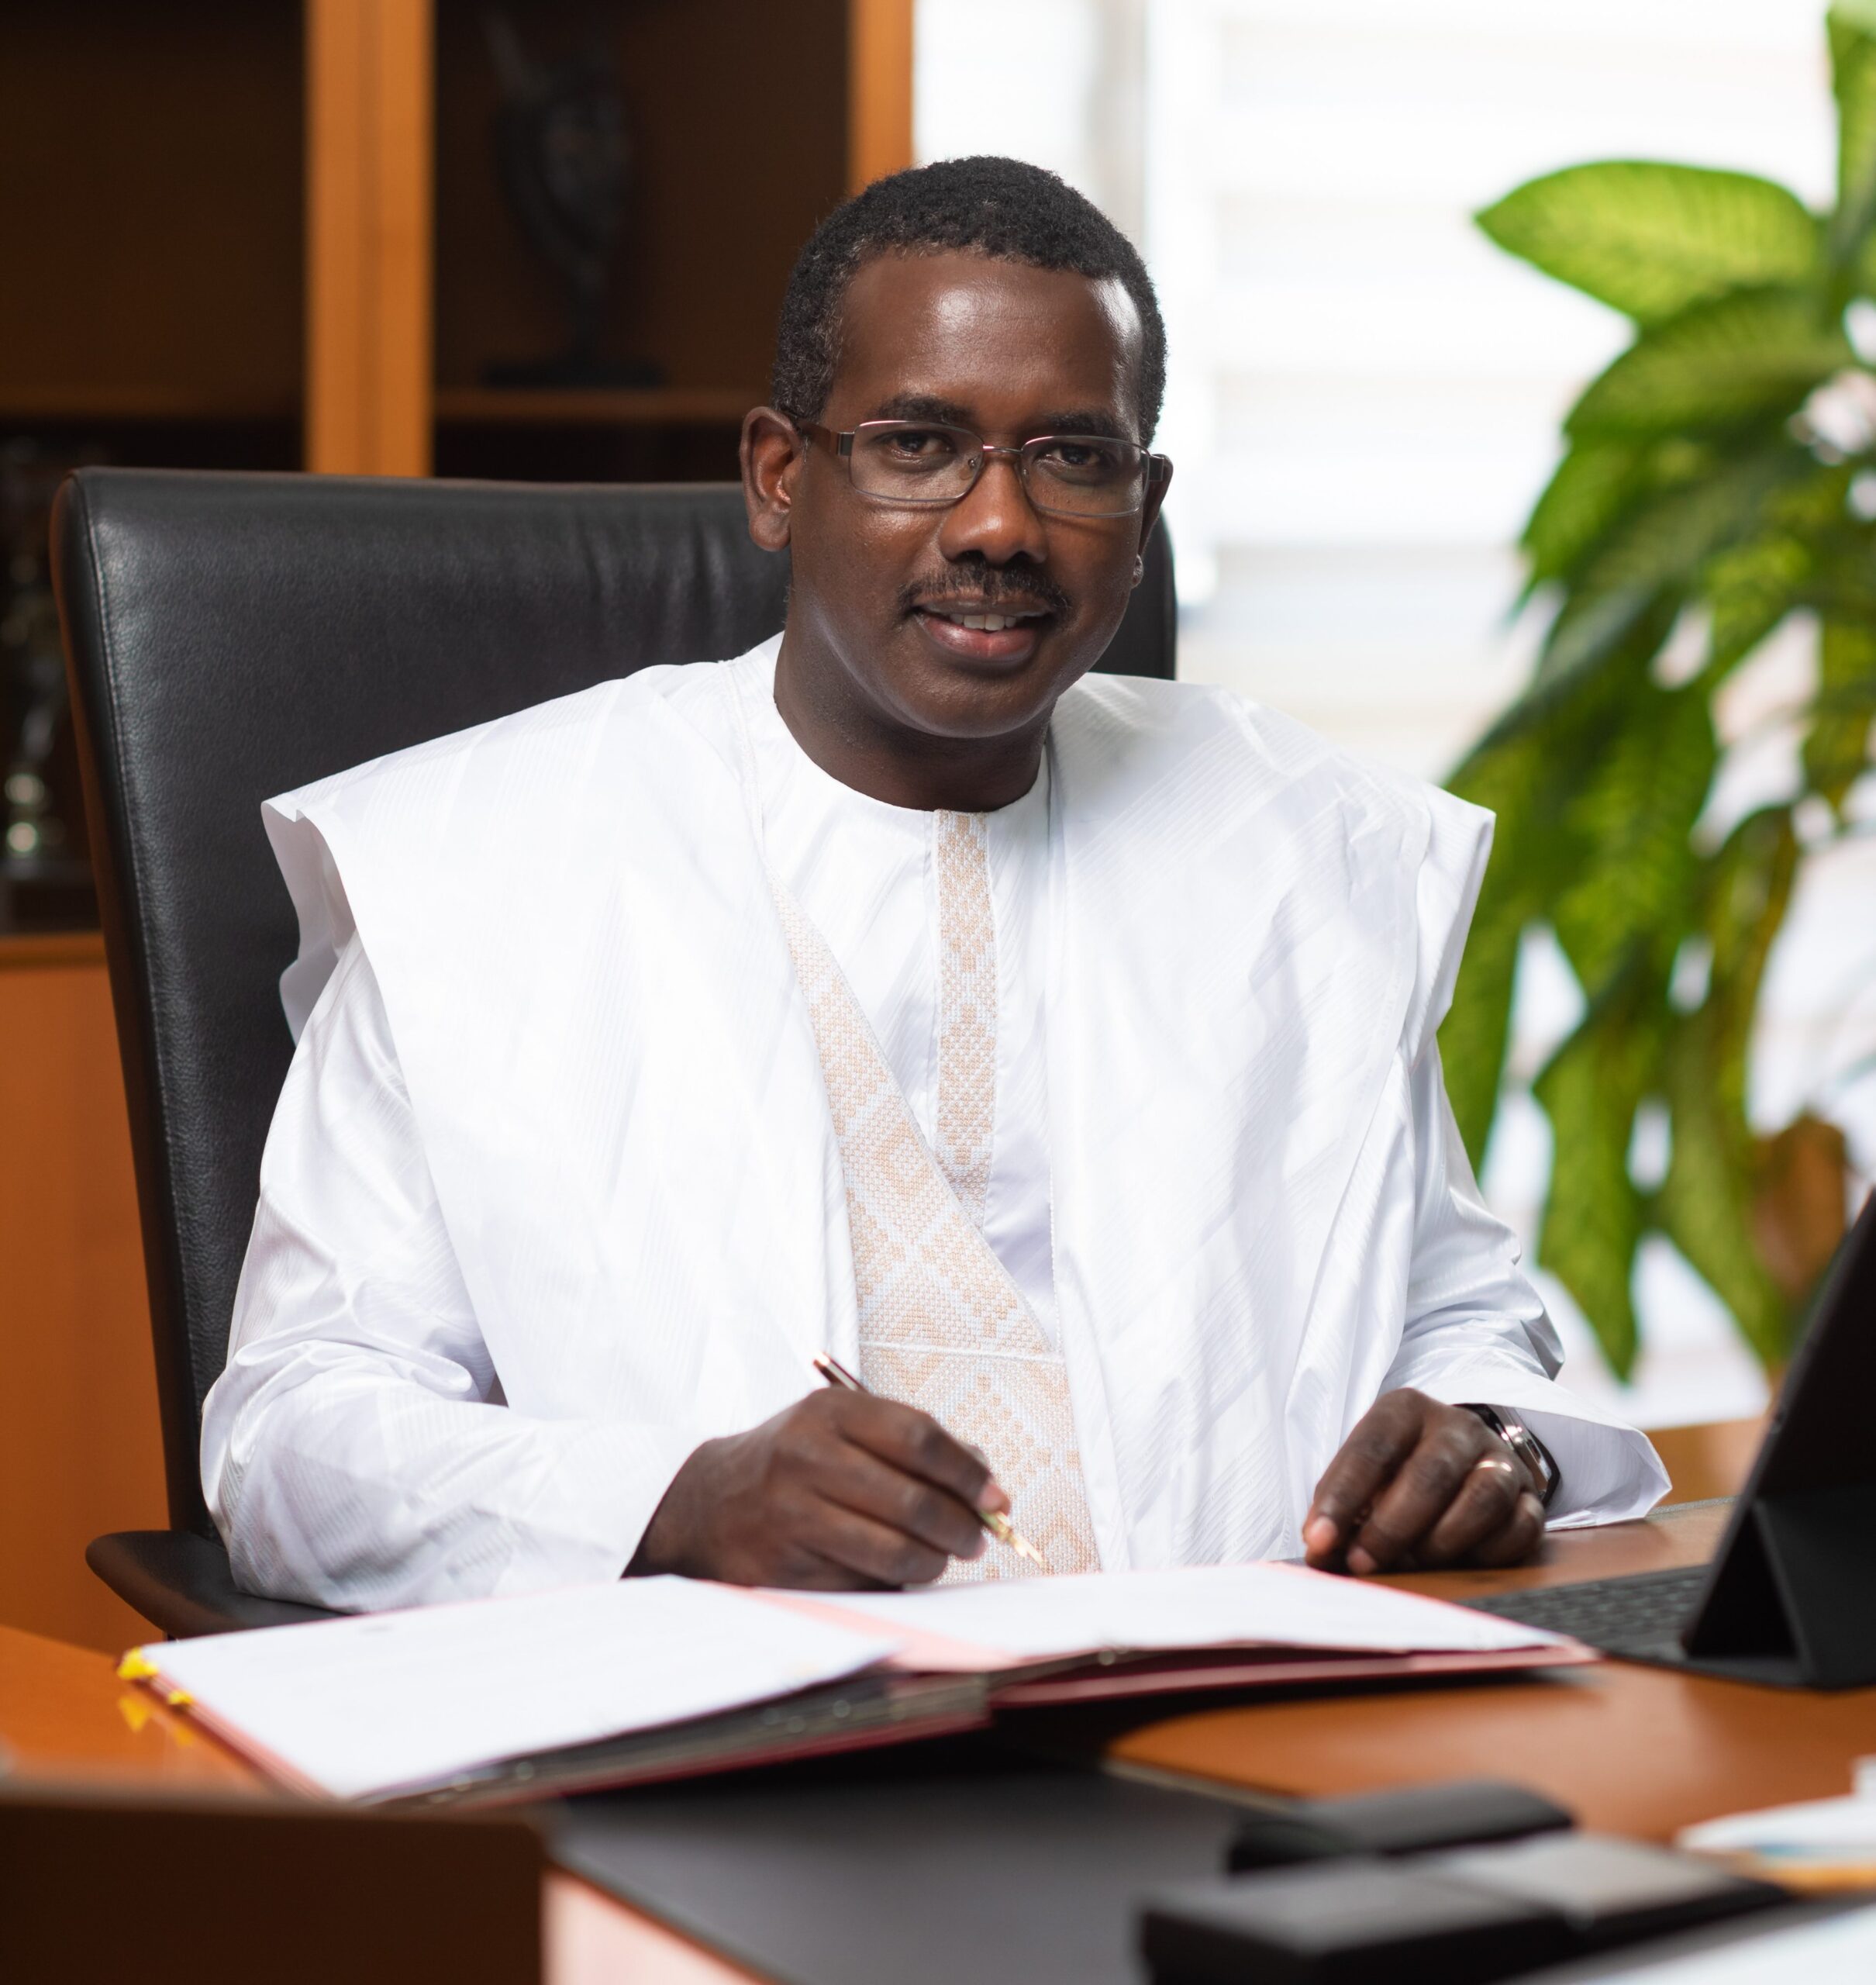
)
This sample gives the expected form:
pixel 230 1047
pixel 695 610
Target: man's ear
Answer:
pixel 1149 511
pixel 773 454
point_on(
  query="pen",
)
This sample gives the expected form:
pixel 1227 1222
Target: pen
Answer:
pixel 993 1520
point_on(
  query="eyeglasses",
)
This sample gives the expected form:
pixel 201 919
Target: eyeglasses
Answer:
pixel 919 461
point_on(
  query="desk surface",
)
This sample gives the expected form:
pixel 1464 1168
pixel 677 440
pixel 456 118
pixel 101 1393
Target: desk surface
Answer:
pixel 1637 1750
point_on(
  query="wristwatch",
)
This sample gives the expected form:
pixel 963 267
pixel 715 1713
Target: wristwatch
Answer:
pixel 1524 1444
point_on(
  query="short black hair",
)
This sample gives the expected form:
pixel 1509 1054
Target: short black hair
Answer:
pixel 996 206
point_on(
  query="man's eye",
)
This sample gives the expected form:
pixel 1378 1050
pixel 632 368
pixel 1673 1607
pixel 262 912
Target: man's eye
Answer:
pixel 1079 458
pixel 918 443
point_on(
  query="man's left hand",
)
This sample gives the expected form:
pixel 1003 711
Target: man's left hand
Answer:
pixel 1421 1485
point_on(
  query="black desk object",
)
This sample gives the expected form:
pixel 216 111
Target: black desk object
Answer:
pixel 1790 1597
pixel 1472 1917
pixel 1407 1819
pixel 950 1867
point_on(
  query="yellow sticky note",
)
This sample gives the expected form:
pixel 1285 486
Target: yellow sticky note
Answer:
pixel 135 1666
pixel 179 1699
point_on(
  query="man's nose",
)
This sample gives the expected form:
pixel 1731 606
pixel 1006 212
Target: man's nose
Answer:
pixel 996 519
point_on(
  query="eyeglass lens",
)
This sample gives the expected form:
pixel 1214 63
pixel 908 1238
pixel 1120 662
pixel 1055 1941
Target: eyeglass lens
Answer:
pixel 1075 475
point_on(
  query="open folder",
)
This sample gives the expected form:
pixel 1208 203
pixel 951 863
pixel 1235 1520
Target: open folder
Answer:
pixel 646 1679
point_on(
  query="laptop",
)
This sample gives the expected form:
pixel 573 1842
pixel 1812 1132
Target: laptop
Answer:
pixel 1790 1597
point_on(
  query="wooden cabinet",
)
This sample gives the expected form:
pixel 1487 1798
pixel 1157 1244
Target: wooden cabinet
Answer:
pixel 256 233
pixel 81 1452
pixel 746 122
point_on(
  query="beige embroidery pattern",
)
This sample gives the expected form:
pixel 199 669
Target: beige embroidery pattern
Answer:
pixel 942 1324
pixel 966 1113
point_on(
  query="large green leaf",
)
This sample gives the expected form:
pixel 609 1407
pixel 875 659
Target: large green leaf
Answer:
pixel 1748 589
pixel 1632 893
pixel 1602 480
pixel 1651 239
pixel 1531 777
pixel 1755 355
pixel 1836 748
pixel 1593 1216
pixel 1508 780
pixel 1477 1030
pixel 1812 504
pixel 1598 620
pixel 1592 486
pixel 1842 583
pixel 1650 561
pixel 1526 779
pixel 1705 1204
pixel 1852 67
pixel 1557 702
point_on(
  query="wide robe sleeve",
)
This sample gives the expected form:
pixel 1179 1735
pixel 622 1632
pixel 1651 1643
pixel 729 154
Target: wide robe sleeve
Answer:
pixel 356 1451
pixel 1475 1330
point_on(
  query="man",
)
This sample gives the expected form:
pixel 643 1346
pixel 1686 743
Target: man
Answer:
pixel 1059 1053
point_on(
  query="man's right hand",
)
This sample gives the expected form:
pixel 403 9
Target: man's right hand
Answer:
pixel 842 1490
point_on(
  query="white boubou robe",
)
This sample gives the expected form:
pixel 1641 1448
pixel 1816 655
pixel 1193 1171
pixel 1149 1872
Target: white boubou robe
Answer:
pixel 553 1194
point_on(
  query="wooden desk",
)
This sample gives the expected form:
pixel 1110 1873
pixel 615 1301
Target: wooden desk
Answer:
pixel 1633 1750
pixel 83 1454
pixel 1638 1751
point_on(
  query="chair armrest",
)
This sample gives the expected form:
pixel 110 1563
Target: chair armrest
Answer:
pixel 182 1584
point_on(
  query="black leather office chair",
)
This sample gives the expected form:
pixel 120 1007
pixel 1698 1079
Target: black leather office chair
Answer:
pixel 232 636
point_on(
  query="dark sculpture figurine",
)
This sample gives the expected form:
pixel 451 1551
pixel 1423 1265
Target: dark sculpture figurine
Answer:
pixel 566 164
pixel 45 879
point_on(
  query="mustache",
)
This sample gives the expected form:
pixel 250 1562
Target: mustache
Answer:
pixel 988 589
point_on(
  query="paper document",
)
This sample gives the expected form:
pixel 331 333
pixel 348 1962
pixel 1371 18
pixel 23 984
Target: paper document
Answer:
pixel 1822 1843
pixel 390 1705
pixel 396 1702
pixel 1199 1606
pixel 1839 1951
pixel 1815 1825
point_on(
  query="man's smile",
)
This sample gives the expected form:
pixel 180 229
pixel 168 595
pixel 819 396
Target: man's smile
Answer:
pixel 995 622
pixel 1006 635
pixel 989 624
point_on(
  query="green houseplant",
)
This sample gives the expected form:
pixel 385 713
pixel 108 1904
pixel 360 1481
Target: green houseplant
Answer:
pixel 1723 466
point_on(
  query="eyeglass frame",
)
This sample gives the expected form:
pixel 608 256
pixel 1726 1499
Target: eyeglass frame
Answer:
pixel 1158 468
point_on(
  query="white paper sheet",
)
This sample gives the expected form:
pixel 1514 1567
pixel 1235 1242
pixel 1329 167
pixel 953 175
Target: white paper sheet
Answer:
pixel 1191 1606
pixel 396 1701
pixel 1839 1951
pixel 1820 1826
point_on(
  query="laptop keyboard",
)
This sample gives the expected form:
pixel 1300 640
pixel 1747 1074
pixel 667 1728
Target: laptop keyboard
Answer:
pixel 1638 1618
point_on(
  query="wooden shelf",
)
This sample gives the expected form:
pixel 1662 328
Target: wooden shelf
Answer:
pixel 24 951
pixel 64 406
pixel 151 193
pixel 556 406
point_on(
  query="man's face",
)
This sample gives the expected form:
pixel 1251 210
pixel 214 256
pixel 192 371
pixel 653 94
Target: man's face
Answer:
pixel 881 590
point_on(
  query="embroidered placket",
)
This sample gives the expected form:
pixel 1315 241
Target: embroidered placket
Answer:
pixel 943 1325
